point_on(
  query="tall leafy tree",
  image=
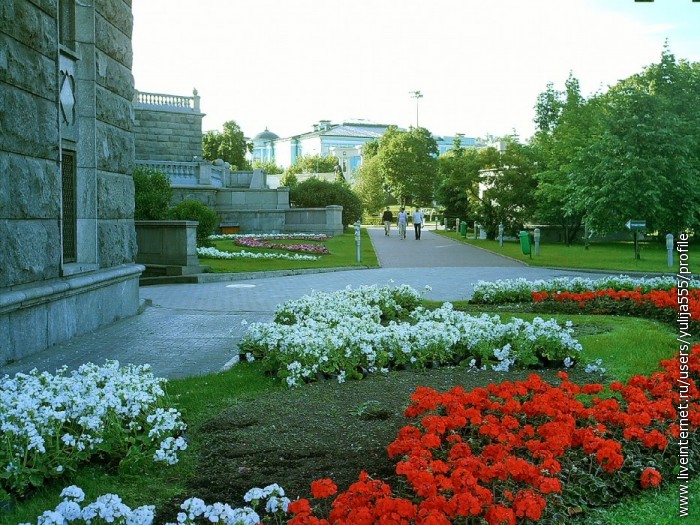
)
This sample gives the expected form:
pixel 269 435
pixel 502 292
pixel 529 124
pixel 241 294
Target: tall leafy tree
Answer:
pixel 408 163
pixel 458 182
pixel 646 162
pixel 566 125
pixel 369 186
pixel 229 145
pixel 507 187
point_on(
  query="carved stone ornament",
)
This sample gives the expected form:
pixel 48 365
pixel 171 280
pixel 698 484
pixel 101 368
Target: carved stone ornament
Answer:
pixel 67 98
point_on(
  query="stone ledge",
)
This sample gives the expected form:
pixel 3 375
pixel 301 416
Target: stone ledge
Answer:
pixel 51 291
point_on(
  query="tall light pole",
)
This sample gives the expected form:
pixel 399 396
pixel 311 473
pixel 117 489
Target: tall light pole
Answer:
pixel 416 95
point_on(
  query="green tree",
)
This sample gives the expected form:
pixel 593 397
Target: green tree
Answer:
pixel 313 164
pixel 508 187
pixel 229 145
pixel 153 194
pixel 567 125
pixel 317 193
pixel 370 187
pixel 458 182
pixel 289 180
pixel 267 166
pixel 646 162
pixel 408 163
pixel 370 149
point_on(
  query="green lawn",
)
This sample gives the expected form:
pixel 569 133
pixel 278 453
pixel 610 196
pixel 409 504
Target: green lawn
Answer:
pixel 342 247
pixel 616 256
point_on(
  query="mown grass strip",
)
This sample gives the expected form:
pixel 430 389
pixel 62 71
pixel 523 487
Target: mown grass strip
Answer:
pixel 612 256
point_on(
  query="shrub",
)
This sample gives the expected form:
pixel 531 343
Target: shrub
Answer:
pixel 317 193
pixel 193 210
pixel 152 194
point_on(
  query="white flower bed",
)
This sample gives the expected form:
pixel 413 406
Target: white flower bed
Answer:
pixel 109 508
pixel 213 253
pixel 375 328
pixel 520 290
pixel 51 422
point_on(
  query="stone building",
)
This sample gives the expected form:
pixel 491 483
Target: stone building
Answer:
pixel 344 140
pixel 67 234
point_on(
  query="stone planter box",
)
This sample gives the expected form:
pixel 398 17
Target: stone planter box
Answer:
pixel 168 247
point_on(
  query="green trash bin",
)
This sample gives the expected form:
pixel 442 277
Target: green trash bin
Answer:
pixel 525 242
pixel 463 228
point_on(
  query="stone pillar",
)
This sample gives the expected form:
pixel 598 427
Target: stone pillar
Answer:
pixel 203 171
pixel 334 219
pixel 282 198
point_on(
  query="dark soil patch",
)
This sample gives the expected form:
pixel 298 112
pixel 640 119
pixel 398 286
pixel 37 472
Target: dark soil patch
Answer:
pixel 323 429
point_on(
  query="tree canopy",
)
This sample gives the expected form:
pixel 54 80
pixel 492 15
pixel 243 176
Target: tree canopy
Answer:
pixel 632 152
pixel 316 193
pixel 407 161
pixel 645 161
pixel 229 145
pixel 369 186
pixel 566 124
pixel 313 164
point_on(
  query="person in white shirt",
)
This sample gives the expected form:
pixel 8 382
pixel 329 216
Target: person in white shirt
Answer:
pixel 417 222
pixel 403 221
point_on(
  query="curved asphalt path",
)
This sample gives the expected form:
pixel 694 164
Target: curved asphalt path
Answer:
pixel 193 329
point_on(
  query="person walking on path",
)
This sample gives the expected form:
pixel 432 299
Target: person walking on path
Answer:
pixel 388 218
pixel 417 222
pixel 402 222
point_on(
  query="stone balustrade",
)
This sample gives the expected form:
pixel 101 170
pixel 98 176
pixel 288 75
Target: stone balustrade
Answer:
pixel 179 173
pixel 162 100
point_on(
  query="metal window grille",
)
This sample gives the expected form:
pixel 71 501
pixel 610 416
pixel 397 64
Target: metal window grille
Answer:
pixel 69 223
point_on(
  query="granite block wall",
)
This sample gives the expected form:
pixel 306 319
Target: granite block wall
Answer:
pixel 58 98
pixel 174 135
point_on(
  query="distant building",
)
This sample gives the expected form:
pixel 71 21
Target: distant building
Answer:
pixel 343 141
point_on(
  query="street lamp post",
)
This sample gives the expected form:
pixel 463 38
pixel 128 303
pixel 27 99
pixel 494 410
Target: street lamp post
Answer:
pixel 416 95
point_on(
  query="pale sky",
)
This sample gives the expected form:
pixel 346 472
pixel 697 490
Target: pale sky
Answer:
pixel 480 64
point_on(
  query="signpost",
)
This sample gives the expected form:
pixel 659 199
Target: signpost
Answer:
pixel 635 226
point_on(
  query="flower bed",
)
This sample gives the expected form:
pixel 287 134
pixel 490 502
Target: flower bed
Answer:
pixel 51 423
pixel 511 453
pixel 656 298
pixel 520 290
pixel 263 241
pixel 658 304
pixel 269 502
pixel 255 242
pixel 373 328
pixel 527 451
pixel 213 253
pixel 273 236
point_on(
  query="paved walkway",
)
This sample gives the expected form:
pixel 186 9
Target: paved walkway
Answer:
pixel 193 329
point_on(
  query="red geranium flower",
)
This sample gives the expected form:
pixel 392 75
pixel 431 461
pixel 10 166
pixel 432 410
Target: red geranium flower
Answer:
pixel 322 488
pixel 650 478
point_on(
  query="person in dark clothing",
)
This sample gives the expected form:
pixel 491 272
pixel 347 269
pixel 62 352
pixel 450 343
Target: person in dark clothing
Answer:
pixel 388 218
